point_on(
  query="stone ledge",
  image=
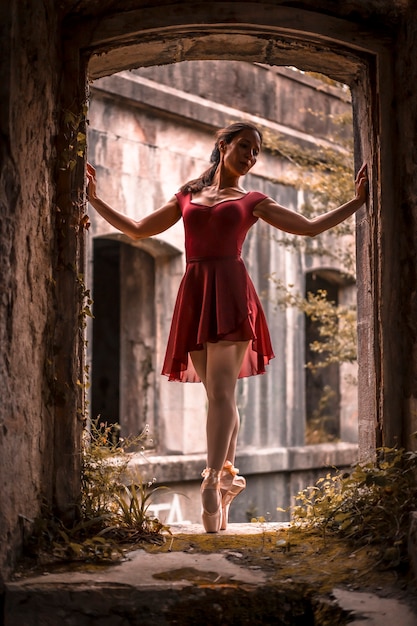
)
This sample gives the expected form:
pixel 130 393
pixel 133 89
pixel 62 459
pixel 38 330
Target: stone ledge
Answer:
pixel 251 461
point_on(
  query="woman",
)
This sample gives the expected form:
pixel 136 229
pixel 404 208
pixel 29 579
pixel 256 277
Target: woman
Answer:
pixel 218 320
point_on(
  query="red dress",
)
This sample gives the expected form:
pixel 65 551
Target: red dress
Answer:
pixel 216 299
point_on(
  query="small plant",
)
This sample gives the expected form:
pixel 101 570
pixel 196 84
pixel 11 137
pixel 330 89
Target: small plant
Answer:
pixel 132 515
pixel 113 507
pixel 368 506
pixel 110 491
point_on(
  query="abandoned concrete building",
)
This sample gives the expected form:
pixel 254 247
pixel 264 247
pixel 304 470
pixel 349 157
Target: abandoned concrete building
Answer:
pixel 144 135
pixel 367 44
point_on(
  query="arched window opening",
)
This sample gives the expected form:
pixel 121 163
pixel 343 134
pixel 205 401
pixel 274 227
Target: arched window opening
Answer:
pixel 330 346
pixel 105 374
pixel 123 368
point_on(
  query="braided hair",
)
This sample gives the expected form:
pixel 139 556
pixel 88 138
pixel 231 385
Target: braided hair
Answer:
pixel 226 135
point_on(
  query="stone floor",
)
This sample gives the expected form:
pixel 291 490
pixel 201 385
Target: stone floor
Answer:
pixel 203 579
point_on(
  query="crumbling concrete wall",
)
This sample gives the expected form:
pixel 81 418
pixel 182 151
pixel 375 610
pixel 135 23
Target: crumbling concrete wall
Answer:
pixel 149 130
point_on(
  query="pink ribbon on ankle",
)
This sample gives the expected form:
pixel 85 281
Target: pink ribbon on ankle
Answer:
pixel 231 469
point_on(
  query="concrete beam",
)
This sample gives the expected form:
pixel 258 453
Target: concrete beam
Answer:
pixel 143 92
pixel 274 34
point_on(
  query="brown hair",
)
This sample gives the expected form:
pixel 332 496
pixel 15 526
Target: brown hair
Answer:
pixel 224 134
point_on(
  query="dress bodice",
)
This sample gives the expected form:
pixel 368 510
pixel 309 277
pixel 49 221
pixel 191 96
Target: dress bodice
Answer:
pixel 218 230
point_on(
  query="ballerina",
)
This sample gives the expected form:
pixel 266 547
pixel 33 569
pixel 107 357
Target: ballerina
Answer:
pixel 219 332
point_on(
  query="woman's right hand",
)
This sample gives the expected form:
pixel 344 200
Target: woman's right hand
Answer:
pixel 91 182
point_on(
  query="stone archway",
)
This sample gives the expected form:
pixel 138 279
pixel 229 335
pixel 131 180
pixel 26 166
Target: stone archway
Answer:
pixel 278 36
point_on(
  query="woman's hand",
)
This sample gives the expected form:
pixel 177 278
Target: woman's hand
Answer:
pixel 153 224
pixel 91 182
pixel 362 184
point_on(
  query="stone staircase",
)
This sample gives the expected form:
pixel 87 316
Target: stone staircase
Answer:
pixel 208 581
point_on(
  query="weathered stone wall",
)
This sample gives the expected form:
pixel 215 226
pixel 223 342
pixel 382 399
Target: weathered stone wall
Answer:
pixel 280 94
pixel 30 71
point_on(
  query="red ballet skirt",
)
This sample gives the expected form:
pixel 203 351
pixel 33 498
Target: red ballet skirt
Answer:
pixel 216 299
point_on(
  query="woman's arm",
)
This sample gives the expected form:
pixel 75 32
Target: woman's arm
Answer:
pixel 297 224
pixel 152 224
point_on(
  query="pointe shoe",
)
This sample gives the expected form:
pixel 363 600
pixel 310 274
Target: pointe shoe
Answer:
pixel 211 520
pixel 230 486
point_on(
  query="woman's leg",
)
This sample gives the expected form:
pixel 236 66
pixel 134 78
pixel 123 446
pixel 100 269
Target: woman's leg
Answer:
pixel 218 366
pixel 231 453
pixel 199 359
pixel 224 360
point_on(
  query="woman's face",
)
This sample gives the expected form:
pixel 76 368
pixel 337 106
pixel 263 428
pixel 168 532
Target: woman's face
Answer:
pixel 240 155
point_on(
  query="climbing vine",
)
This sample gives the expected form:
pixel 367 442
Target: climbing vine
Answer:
pixel 75 138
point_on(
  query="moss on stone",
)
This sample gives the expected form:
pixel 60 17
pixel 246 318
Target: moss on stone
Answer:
pixel 293 557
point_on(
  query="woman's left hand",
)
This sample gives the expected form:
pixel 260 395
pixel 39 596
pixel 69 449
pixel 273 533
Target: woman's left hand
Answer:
pixel 362 184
